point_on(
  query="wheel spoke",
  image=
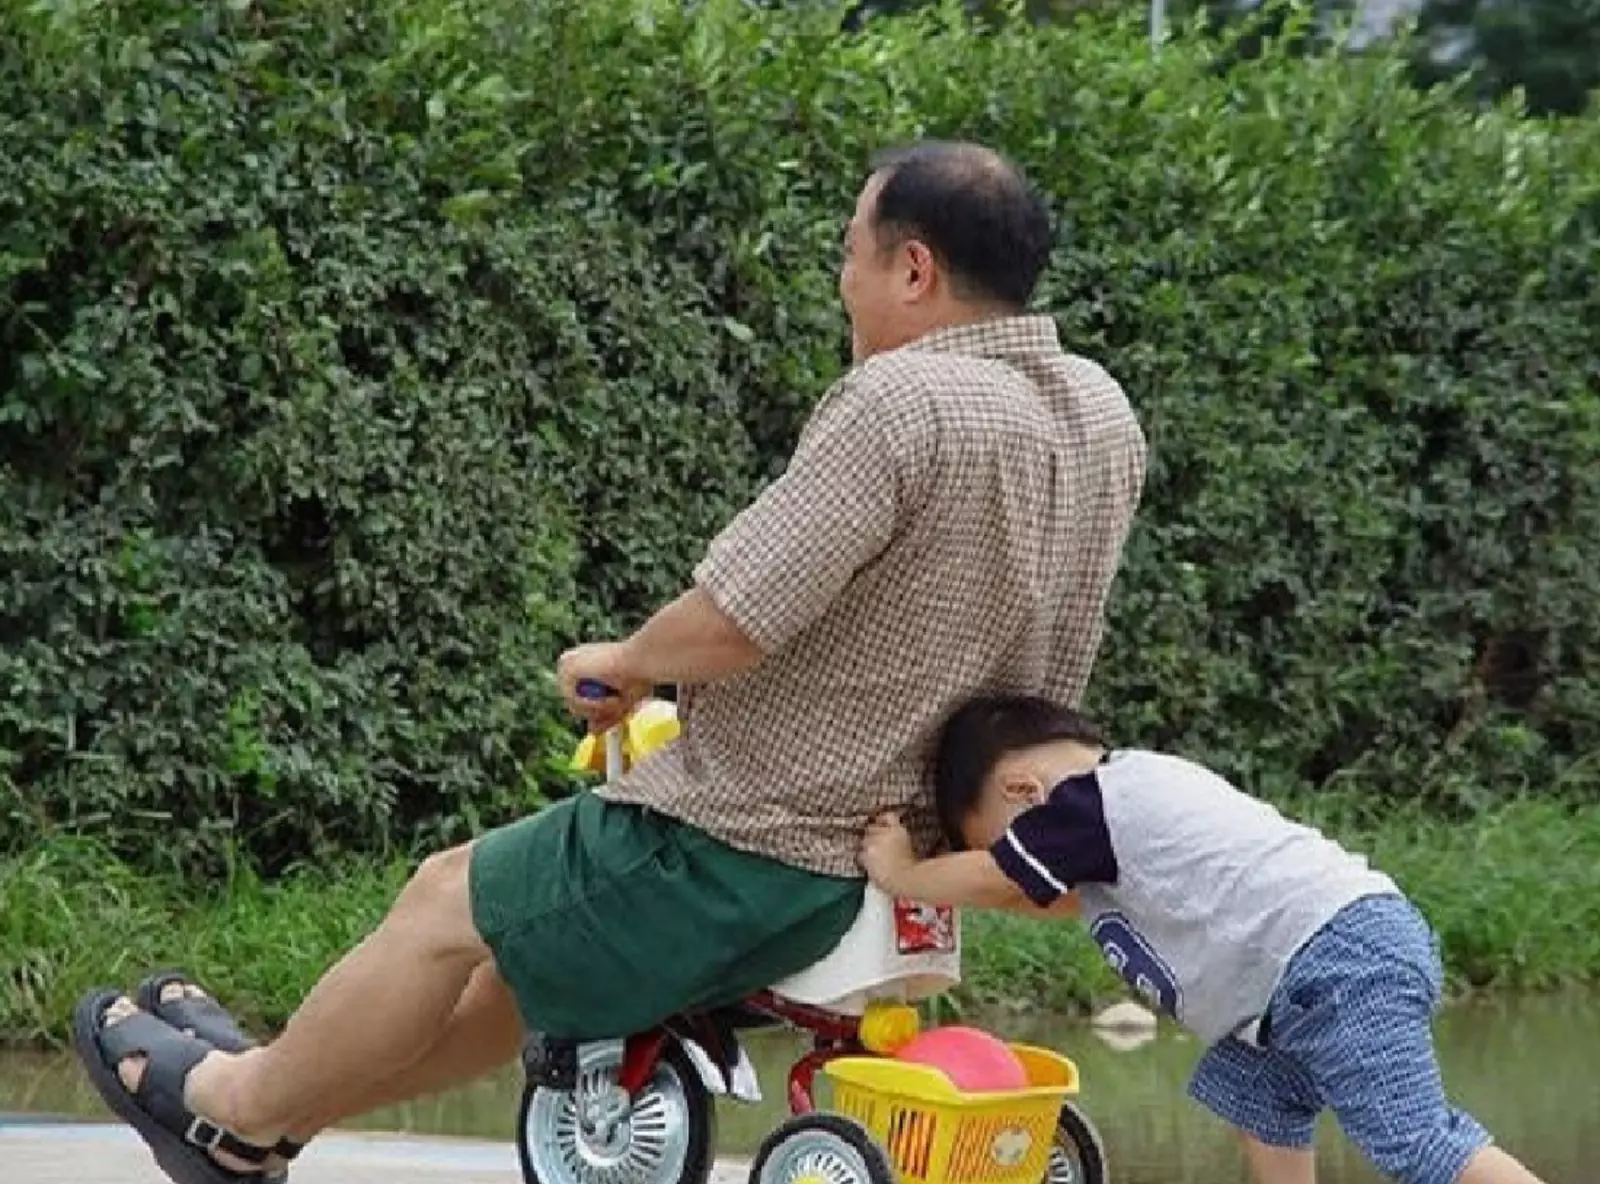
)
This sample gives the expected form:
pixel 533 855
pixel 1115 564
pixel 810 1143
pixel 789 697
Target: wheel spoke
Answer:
pixel 1064 1167
pixel 815 1155
pixel 578 1139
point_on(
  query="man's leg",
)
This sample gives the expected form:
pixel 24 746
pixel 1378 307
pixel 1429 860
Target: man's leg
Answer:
pixel 1279 1165
pixel 483 1033
pixel 370 1018
pixel 622 897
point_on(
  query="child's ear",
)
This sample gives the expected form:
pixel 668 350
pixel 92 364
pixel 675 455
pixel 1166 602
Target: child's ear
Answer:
pixel 1022 789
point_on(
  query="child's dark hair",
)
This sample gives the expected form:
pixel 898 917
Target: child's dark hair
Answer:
pixel 981 733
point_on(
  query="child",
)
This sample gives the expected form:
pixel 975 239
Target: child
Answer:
pixel 1309 975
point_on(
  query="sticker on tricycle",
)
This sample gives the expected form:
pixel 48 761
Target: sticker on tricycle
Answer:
pixel 924 928
pixel 1011 1146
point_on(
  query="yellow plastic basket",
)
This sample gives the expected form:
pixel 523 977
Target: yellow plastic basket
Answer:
pixel 935 1134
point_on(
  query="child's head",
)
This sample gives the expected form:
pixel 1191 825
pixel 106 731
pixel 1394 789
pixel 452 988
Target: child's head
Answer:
pixel 1000 754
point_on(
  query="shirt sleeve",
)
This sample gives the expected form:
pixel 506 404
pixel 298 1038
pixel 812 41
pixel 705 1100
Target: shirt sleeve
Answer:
pixel 1060 843
pixel 779 564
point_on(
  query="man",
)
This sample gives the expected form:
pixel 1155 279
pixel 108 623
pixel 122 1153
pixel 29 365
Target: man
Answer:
pixel 950 523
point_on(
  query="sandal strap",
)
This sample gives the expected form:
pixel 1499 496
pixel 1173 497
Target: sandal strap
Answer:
pixel 170 1055
pixel 142 1034
pixel 204 1014
pixel 211 1138
pixel 210 1021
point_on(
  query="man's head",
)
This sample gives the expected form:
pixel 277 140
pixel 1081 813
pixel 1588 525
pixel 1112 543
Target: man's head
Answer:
pixel 943 234
pixel 999 755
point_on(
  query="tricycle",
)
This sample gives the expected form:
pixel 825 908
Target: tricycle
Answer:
pixel 641 1109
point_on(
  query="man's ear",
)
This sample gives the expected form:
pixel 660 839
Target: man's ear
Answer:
pixel 921 271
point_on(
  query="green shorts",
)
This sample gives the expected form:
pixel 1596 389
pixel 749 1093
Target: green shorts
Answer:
pixel 605 918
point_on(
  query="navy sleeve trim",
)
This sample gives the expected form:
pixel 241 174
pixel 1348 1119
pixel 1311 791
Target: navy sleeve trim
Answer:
pixel 1027 872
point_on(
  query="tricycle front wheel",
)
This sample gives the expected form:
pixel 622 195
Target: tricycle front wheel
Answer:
pixel 595 1135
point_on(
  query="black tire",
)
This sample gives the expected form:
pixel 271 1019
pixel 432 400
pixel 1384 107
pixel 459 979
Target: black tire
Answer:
pixel 837 1148
pixel 554 1148
pixel 1079 1154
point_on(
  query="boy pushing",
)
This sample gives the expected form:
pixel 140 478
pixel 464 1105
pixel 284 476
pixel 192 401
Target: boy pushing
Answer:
pixel 1310 976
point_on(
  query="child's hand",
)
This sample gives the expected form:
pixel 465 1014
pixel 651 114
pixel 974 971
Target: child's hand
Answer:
pixel 886 851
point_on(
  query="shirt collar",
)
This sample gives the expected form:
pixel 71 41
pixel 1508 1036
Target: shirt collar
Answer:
pixel 1002 337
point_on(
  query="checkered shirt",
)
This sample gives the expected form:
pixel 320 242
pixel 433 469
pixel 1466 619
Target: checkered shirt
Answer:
pixel 949 525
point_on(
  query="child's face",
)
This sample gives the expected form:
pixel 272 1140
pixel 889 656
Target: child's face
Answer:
pixel 1015 784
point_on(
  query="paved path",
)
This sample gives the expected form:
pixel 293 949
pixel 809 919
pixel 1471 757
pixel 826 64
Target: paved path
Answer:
pixel 95 1153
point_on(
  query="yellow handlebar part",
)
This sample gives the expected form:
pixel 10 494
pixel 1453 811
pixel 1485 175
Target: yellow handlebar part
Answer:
pixel 653 724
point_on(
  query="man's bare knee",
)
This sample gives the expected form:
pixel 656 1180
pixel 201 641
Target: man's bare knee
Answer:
pixel 436 902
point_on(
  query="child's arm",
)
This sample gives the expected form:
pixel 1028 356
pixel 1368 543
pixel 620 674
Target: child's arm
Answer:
pixel 1066 905
pixel 970 879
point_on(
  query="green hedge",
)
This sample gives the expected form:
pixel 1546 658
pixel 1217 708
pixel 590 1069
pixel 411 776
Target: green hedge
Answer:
pixel 355 358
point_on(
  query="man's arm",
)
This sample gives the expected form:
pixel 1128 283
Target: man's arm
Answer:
pixel 779 564
pixel 690 640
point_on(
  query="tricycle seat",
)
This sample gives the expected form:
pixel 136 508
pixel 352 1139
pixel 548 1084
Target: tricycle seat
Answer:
pixel 895 950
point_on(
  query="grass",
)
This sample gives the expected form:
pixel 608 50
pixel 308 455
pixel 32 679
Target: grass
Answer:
pixel 71 919
pixel 1514 894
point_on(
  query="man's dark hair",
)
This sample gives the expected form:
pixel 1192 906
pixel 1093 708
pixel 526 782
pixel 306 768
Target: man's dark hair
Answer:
pixel 985 224
pixel 984 731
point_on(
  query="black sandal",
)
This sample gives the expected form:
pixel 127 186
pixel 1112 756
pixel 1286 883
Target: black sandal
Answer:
pixel 206 1018
pixel 180 1139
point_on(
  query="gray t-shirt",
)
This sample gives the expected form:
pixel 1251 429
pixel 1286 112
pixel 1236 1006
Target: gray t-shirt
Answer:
pixel 1197 893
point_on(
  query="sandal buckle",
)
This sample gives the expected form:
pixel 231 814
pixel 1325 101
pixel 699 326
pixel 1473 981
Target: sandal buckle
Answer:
pixel 205 1134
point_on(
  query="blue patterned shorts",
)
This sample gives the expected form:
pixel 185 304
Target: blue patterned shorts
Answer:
pixel 1350 1028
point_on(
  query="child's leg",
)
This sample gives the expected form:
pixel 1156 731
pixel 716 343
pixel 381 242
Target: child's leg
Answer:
pixel 1493 1166
pixel 1279 1165
pixel 1271 1102
pixel 1359 1019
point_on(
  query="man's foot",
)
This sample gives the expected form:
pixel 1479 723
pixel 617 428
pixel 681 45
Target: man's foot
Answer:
pixel 140 1066
pixel 172 997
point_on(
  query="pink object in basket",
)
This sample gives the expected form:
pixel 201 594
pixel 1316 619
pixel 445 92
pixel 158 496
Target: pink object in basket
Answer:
pixel 973 1060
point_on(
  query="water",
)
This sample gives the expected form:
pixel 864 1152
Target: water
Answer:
pixel 1528 1068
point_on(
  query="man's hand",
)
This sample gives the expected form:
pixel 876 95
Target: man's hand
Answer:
pixel 607 662
pixel 887 853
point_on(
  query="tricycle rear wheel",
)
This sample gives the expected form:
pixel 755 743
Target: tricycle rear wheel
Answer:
pixel 1078 1155
pixel 821 1149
